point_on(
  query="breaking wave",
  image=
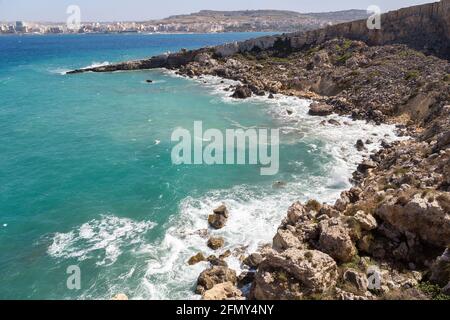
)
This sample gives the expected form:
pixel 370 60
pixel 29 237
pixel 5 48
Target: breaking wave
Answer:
pixel 102 238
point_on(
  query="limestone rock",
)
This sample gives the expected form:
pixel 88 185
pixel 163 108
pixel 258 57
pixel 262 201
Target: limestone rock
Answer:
pixel 366 165
pixel 285 239
pixel 366 221
pixel 222 210
pixel 295 212
pixel 217 261
pixel 216 243
pixel 420 216
pixel 242 92
pixel 446 289
pixel 218 219
pixel 356 280
pixel 335 240
pixel 223 291
pixel 345 295
pixel 294 274
pixel 199 257
pixel 253 260
pixel 320 109
pixel 321 58
pixel 215 275
pixel 440 270
pixel 329 211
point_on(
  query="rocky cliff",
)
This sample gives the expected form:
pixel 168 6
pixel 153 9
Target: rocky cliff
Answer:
pixel 394 224
pixel 425 28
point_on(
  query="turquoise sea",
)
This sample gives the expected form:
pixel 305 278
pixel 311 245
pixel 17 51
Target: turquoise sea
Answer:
pixel 86 177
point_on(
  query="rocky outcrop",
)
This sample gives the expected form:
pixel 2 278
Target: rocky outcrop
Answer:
pixel 242 92
pixel 366 221
pixel 294 274
pixel 218 219
pixel 216 242
pixel 120 296
pixel 168 61
pixel 425 27
pixel 357 281
pixel 253 260
pixel 389 220
pixel 213 276
pixel 336 241
pixel 422 215
pixel 320 109
pixel 440 270
pixel 387 232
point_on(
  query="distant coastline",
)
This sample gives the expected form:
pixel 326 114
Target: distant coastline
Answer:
pixel 201 22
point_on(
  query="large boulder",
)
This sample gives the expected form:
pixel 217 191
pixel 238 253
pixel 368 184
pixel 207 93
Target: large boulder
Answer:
pixel 223 291
pixel 366 165
pixel 360 145
pixel 423 215
pixel 365 220
pixel 216 243
pixel 321 59
pixel 199 257
pixel 218 219
pixel 355 282
pixel 335 240
pixel 443 140
pixel 294 274
pixel 285 239
pixel 296 212
pixel 217 261
pixel 215 275
pixel 320 109
pixel 242 92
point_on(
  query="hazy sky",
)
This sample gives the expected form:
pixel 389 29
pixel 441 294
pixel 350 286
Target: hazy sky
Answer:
pixel 114 10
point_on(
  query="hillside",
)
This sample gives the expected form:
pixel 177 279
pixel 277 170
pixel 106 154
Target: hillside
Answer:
pixel 258 20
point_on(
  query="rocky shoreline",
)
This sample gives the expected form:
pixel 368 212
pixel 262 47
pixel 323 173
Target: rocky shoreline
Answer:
pixel 388 237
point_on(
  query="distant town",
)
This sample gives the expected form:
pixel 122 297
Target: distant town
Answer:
pixel 21 27
pixel 205 21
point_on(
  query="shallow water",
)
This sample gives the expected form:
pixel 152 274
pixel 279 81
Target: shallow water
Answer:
pixel 87 179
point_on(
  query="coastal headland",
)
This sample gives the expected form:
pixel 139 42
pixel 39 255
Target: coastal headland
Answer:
pixel 388 237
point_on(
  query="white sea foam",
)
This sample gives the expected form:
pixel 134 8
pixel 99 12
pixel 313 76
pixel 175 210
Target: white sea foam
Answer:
pixel 100 238
pixel 60 71
pixel 256 212
pixel 97 64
